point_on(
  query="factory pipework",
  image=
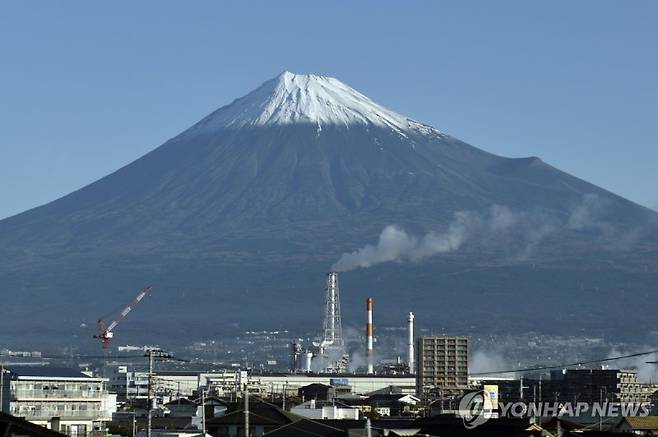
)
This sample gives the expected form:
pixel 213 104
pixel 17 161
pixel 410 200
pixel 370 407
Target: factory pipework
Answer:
pixel 410 343
pixel 369 336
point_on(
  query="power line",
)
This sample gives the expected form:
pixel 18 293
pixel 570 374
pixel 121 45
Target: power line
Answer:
pixel 294 423
pixel 560 366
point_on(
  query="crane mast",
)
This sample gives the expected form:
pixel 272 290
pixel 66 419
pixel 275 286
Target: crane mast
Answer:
pixel 105 333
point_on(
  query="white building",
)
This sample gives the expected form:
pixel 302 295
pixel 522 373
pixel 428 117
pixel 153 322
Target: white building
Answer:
pixel 63 400
pixel 324 410
pixel 360 384
pixel 172 384
pixel 129 384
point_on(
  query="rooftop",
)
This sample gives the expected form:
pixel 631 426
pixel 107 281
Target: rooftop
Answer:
pixel 46 371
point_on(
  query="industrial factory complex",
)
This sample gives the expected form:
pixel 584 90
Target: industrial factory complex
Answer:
pixel 329 354
pixel 321 391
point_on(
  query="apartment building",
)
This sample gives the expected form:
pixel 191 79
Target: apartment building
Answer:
pixel 442 366
pixel 63 400
pixel 603 385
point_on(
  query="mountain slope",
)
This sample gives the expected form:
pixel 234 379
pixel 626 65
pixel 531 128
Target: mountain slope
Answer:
pixel 248 208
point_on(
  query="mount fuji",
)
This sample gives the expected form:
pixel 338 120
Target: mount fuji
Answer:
pixel 236 220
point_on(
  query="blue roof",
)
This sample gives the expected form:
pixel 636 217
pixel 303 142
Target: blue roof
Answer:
pixel 46 371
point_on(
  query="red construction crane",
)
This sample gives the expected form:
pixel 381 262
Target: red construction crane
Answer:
pixel 105 334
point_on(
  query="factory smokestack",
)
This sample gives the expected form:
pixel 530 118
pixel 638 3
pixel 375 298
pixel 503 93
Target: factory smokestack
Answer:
pixel 369 336
pixel 410 343
pixel 308 361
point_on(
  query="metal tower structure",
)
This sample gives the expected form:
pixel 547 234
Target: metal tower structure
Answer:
pixel 332 346
pixel 332 330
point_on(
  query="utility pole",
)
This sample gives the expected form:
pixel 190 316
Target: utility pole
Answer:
pixel 149 406
pixel 152 354
pixel 2 387
pixel 285 386
pixel 246 410
pixel 601 406
pixel 533 419
pixel 203 412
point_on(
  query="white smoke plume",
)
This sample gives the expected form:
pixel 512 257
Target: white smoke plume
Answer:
pixel 646 370
pixel 484 360
pixel 355 341
pixel 499 225
pixel 395 244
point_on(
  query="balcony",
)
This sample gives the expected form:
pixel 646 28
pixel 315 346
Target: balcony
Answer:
pixel 47 413
pixel 57 394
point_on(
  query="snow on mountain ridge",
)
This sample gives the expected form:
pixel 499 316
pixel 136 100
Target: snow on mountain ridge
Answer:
pixel 306 98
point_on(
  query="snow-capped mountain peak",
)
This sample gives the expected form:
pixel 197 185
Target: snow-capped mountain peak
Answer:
pixel 306 98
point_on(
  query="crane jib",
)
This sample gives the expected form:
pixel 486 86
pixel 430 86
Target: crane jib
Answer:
pixel 105 334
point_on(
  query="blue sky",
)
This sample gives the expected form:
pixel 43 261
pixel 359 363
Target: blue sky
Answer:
pixel 86 87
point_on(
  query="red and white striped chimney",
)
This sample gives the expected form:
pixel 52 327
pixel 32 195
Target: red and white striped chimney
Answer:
pixel 369 337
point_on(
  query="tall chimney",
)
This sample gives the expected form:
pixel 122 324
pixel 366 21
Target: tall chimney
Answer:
pixel 410 343
pixel 369 336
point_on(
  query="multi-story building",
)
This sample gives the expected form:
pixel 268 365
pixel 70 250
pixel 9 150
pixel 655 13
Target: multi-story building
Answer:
pixel 442 366
pixel 603 385
pixel 575 385
pixel 127 384
pixel 63 400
